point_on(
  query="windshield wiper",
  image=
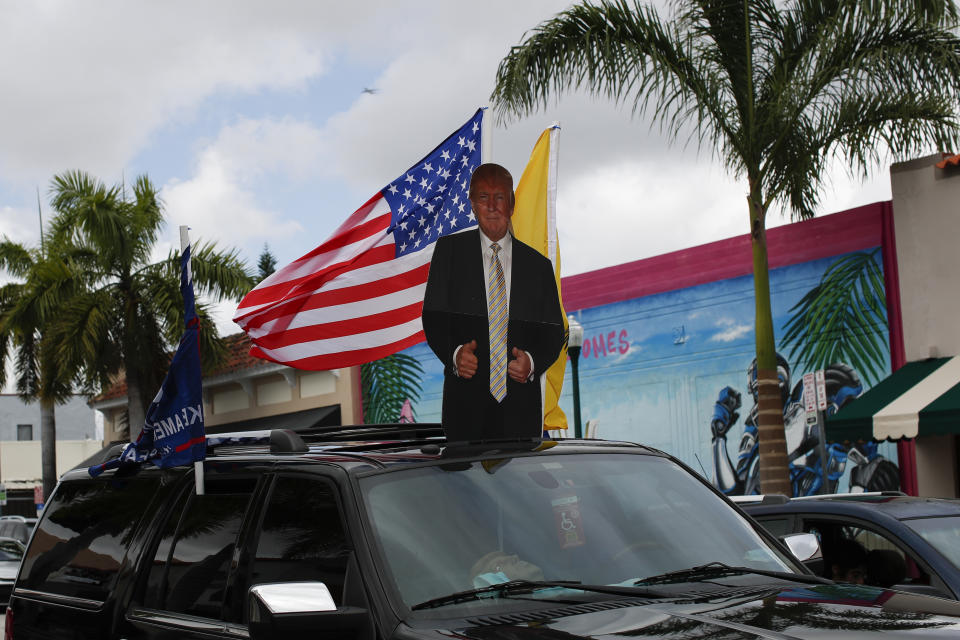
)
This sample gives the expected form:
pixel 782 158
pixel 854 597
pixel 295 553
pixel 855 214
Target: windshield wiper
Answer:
pixel 528 586
pixel 719 569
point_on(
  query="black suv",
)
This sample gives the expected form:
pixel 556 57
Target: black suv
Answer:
pixel 394 534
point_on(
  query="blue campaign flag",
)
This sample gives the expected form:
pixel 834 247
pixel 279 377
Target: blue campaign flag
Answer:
pixel 173 431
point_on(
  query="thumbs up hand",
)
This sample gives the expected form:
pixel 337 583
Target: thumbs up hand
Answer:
pixel 467 360
pixel 520 366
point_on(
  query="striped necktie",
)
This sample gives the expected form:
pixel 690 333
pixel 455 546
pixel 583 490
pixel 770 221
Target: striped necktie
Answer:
pixel 497 315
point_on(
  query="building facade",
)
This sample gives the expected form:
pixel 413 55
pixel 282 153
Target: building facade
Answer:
pixel 78 437
pixel 669 337
pixel 246 393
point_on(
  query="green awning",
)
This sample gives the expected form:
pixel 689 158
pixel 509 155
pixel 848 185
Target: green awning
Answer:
pixel 921 398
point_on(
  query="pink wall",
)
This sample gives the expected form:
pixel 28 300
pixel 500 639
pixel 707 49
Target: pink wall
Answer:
pixel 820 237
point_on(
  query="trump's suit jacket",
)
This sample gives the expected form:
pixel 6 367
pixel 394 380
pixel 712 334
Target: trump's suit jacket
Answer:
pixel 455 312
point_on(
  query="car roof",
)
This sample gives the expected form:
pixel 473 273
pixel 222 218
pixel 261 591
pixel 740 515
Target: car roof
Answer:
pixel 370 447
pixel 900 507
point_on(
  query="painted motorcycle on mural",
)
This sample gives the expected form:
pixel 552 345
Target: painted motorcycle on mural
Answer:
pixel 871 471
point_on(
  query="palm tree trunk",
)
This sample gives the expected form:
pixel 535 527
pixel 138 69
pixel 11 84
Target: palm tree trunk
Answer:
pixel 135 409
pixel 48 447
pixel 774 477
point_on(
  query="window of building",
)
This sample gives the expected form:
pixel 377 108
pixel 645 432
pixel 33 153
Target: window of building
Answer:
pixel 24 432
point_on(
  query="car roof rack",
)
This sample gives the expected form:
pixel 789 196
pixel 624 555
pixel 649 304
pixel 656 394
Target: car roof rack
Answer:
pixel 374 432
pixel 768 498
pixel 861 494
pixel 290 441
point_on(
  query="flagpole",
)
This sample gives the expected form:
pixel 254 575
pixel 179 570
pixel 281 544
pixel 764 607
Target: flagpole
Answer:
pixel 552 192
pixel 486 136
pixel 198 464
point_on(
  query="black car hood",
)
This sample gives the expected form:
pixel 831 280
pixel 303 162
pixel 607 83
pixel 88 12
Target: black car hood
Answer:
pixel 818 611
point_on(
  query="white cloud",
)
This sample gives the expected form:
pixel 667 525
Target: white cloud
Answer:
pixel 223 313
pixel 636 209
pixel 219 201
pixel 20 225
pixel 104 77
pixel 732 333
pixel 108 79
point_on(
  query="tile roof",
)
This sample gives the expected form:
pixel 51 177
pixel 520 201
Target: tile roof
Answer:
pixel 949 161
pixel 238 358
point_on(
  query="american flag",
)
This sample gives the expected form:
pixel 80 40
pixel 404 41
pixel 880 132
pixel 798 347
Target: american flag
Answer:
pixel 359 295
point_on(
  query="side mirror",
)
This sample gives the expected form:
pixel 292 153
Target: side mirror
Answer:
pixel 806 548
pixel 285 609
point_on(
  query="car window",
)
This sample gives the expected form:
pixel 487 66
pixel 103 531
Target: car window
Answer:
pixel 302 536
pixel 777 525
pixel 943 533
pixel 598 519
pixel 17 531
pixel 191 564
pixel 79 545
pixel 885 563
pixel 10 551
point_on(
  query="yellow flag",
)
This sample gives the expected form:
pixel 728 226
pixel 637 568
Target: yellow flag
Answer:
pixel 535 223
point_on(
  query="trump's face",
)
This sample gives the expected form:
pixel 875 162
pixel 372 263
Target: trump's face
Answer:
pixel 492 203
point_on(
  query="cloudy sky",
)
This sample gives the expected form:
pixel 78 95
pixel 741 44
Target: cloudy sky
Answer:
pixel 252 118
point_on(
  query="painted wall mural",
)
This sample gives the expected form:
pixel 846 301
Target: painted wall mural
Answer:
pixel 674 370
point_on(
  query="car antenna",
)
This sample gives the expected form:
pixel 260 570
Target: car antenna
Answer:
pixel 695 455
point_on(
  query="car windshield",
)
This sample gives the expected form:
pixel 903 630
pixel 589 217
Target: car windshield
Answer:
pixel 942 533
pixel 597 519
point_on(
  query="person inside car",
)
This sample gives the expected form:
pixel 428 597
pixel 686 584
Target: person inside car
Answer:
pixel 846 561
pixel 885 568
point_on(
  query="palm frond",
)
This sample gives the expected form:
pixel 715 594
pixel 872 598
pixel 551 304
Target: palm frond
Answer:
pixel 776 89
pixel 164 290
pixel 386 383
pixel 220 275
pixel 15 259
pixel 842 319
pixel 86 335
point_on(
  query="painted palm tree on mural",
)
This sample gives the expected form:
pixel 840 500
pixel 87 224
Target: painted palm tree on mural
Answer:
pixel 386 383
pixel 776 89
pixel 842 319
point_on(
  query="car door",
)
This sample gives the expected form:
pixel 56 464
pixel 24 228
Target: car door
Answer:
pixel 884 550
pixel 302 535
pixel 187 585
pixel 244 531
pixel 78 555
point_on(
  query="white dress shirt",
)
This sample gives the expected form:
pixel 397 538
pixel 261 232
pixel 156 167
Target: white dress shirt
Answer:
pixel 506 261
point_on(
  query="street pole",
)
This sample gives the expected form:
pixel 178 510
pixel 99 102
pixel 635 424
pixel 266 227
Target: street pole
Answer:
pixel 574 343
pixel 822 452
pixel 574 360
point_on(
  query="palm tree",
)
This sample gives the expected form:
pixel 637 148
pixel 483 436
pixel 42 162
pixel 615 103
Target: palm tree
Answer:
pixel 778 89
pixel 45 277
pixel 132 312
